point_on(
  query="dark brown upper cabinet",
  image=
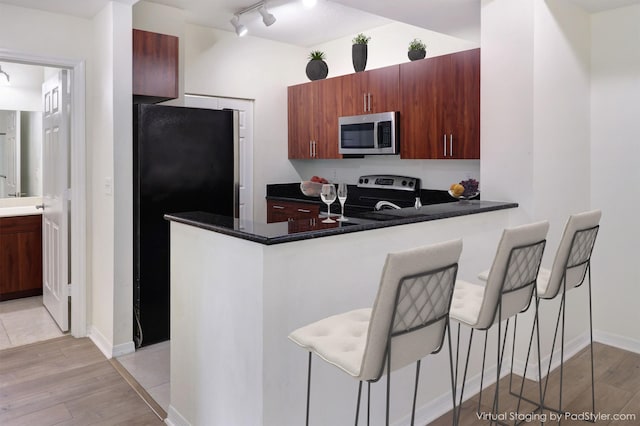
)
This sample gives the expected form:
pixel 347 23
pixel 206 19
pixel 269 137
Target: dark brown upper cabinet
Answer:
pixel 440 107
pixel 155 67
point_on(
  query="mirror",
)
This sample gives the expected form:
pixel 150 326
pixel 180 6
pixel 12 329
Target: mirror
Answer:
pixel 20 153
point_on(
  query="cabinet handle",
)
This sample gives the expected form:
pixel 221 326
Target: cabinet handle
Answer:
pixel 369 98
pixel 444 144
pixel 278 207
pixel 451 145
pixel 364 102
pixel 304 211
pixel 310 148
pixel 315 149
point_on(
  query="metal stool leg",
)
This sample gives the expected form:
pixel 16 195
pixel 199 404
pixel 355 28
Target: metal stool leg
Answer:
pixel 453 380
pixel 484 355
pixel 358 403
pixel 308 388
pixel 415 394
pixel 464 375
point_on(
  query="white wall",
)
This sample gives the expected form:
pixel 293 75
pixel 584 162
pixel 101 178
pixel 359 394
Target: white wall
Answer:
pixel 535 123
pixel 24 93
pixel 615 177
pixel 108 139
pixel 111 155
pixel 388 46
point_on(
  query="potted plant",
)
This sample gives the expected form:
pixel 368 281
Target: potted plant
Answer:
pixel 417 49
pixel 359 52
pixel 317 68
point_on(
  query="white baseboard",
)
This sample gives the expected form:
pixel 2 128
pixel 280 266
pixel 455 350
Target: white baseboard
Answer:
pixel 571 348
pixel 100 341
pixel 617 341
pixel 174 418
pixel 123 349
pixel 107 348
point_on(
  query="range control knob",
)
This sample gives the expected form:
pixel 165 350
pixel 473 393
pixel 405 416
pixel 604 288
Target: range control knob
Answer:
pixel 404 183
pixel 360 180
pixel 411 184
pixel 366 181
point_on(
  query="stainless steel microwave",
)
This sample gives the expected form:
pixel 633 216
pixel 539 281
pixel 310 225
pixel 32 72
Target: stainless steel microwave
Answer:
pixel 369 134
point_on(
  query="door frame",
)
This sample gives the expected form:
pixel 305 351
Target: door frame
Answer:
pixel 77 163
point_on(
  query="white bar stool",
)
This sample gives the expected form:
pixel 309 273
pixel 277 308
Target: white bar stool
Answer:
pixel 511 283
pixel 571 265
pixel 408 321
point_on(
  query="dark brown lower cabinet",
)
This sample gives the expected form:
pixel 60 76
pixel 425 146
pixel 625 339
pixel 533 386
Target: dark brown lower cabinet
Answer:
pixel 20 256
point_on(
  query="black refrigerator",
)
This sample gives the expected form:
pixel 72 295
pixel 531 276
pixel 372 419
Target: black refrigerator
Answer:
pixel 184 159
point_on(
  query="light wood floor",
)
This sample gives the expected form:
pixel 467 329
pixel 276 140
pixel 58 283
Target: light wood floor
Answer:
pixel 617 377
pixel 66 381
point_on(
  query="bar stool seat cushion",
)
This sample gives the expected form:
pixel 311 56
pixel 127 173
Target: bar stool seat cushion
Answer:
pixel 339 339
pixel 466 303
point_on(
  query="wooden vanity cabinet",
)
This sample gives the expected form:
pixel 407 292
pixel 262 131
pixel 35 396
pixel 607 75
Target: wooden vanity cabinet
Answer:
pixel 440 107
pixel 155 67
pixel 284 211
pixel 20 256
pixel 313 111
pixel 371 92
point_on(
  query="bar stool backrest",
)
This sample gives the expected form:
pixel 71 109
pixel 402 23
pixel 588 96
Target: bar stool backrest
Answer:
pixel 411 308
pixel 574 252
pixel 513 274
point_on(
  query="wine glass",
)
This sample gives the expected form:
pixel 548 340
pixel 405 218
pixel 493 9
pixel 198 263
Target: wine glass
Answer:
pixel 342 197
pixel 328 195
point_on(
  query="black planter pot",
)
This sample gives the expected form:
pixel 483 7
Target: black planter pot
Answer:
pixel 359 57
pixel 317 69
pixel 414 55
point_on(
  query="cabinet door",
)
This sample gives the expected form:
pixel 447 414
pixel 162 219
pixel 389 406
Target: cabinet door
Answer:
pixel 463 106
pixel 440 113
pixel 423 98
pixel 313 111
pixel 383 89
pixel 155 67
pixel 371 91
pixel 328 109
pixel 20 257
pixel 301 101
pixel 283 211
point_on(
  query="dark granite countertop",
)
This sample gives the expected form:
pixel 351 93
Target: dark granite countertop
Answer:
pixel 297 230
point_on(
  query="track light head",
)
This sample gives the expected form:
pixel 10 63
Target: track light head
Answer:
pixel 267 17
pixel 4 77
pixel 241 30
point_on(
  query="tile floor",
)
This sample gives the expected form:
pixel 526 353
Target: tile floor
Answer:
pixel 150 366
pixel 24 321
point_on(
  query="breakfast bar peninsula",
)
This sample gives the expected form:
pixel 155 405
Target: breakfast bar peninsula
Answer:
pixel 238 290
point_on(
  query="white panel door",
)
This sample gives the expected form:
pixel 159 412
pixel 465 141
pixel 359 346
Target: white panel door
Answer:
pixel 55 217
pixel 245 156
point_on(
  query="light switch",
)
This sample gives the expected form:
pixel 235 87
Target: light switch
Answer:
pixel 108 186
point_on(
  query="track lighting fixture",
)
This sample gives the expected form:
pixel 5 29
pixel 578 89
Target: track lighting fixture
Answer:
pixel 267 17
pixel 240 29
pixel 4 77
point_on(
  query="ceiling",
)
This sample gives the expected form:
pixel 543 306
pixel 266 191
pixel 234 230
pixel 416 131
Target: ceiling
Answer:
pixel 328 20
